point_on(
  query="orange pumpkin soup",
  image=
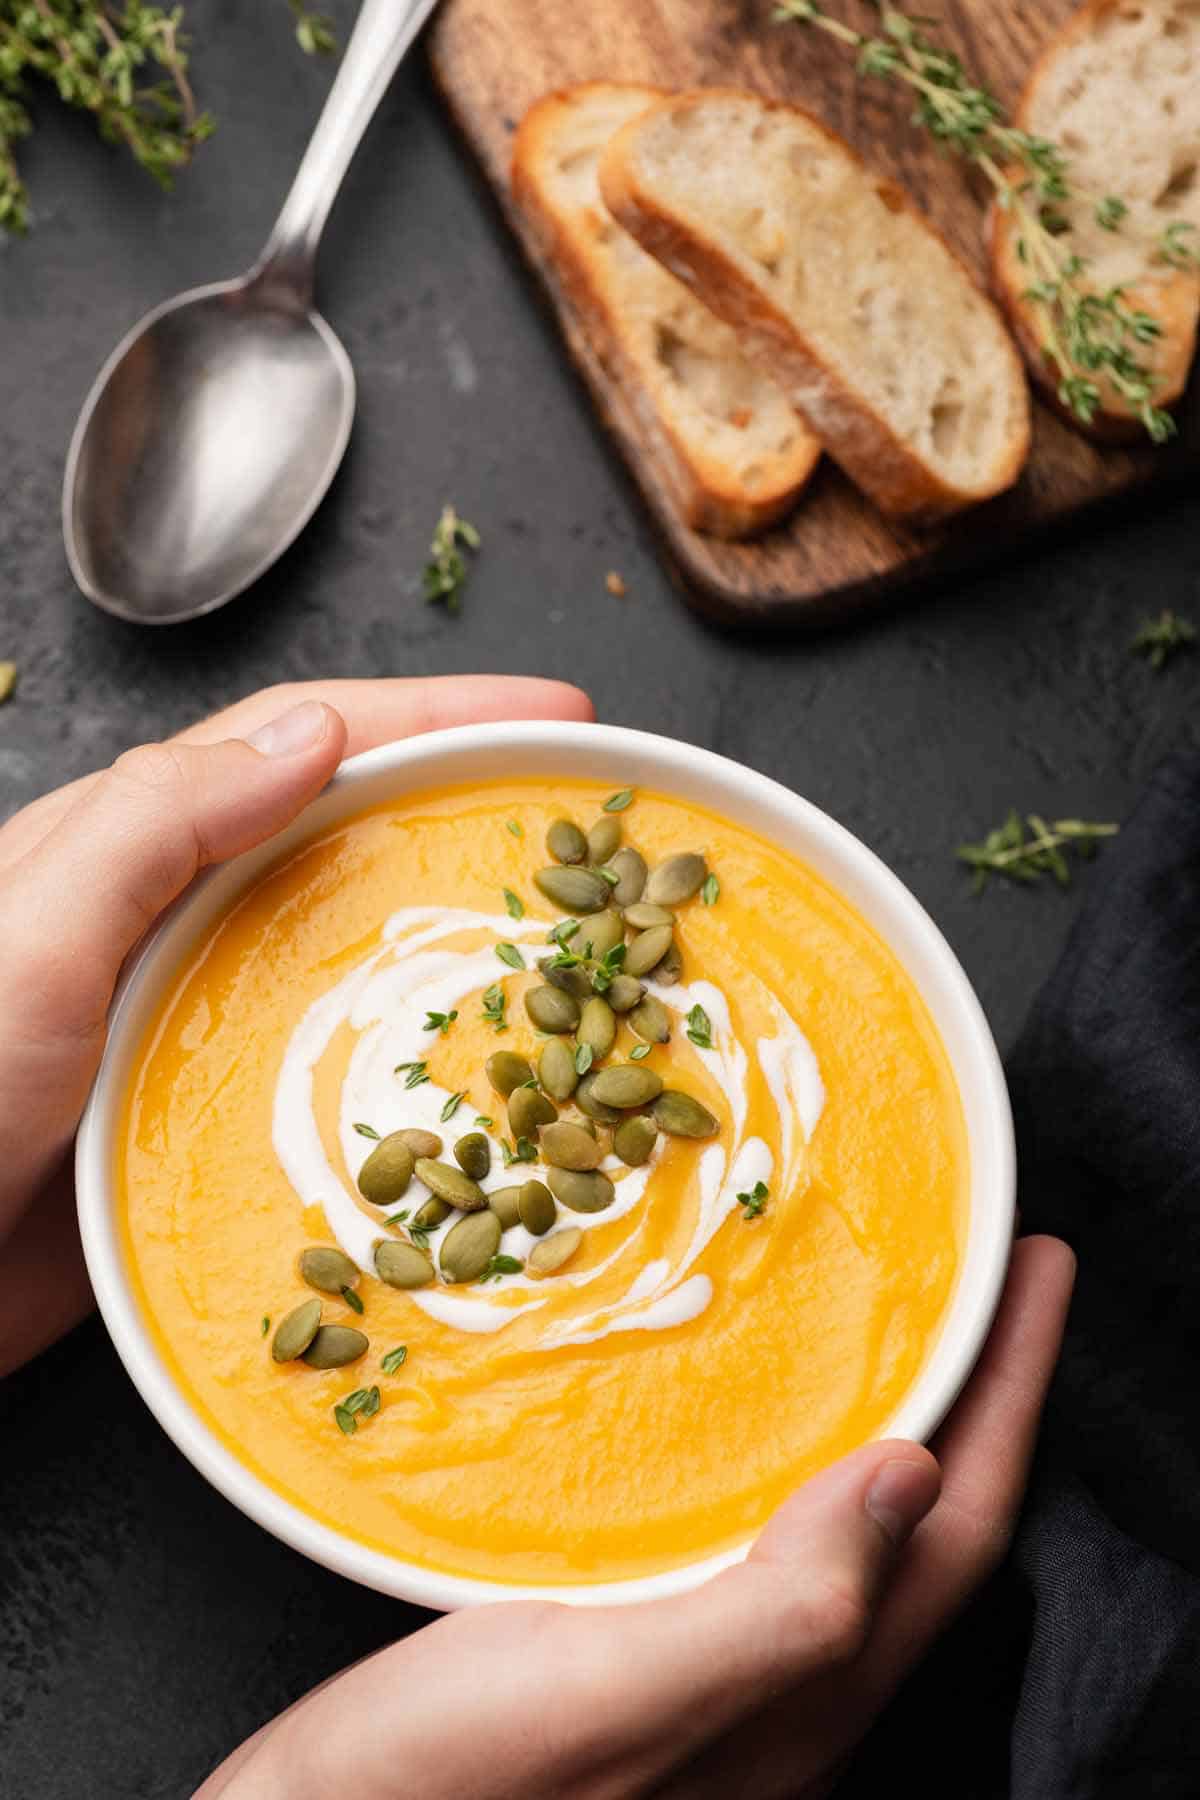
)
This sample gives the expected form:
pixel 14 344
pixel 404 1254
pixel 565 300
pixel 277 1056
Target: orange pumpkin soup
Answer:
pixel 625 1346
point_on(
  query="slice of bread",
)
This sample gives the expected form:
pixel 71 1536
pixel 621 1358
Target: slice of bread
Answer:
pixel 1118 90
pixel 837 285
pixel 731 451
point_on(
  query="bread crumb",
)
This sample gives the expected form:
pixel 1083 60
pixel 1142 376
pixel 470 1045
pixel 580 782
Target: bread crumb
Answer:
pixel 615 584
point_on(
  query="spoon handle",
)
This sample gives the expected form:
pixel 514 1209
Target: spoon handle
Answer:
pixel 383 32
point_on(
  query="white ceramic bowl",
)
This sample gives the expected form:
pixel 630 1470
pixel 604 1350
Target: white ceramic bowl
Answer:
pixel 621 757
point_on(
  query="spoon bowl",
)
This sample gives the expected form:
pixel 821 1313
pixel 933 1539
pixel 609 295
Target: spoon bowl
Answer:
pixel 205 446
pixel 215 427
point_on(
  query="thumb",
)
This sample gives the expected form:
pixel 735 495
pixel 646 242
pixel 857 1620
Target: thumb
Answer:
pixel 137 837
pixel 74 907
pixel 801 1604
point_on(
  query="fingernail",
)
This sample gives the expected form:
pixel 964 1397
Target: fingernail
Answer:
pixel 297 729
pixel 900 1496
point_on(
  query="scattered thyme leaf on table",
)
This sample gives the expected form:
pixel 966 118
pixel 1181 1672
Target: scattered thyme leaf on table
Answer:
pixel 1159 639
pixel 1087 335
pixel 1026 849
pixel 447 569
pixel 124 62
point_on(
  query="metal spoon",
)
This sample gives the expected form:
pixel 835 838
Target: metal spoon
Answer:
pixel 215 427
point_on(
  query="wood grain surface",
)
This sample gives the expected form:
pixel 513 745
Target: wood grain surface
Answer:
pixel 493 58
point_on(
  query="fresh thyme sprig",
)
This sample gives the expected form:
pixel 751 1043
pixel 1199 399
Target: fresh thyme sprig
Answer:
pixel 1087 336
pixel 1159 639
pixel 1009 852
pixel 446 571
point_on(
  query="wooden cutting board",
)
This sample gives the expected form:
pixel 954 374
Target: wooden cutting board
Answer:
pixel 493 58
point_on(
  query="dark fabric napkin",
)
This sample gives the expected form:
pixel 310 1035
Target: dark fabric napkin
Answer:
pixel 1076 1675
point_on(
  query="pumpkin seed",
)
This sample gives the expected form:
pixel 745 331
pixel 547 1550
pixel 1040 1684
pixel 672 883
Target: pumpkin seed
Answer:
pixel 670 968
pixel 582 1191
pixel 603 932
pixel 469 1247
pixel 565 842
pixel 473 1154
pixel 296 1331
pixel 588 1103
pixel 642 916
pixel 651 1020
pixel 680 1115
pixel 385 1175
pixel 624 993
pixel 528 1111
pixel 506 1071
pixel 537 1208
pixel 567 1146
pixel 556 1069
pixel 647 949
pixel 550 1009
pixel 572 980
pixel 329 1270
pixel 451 1185
pixel 553 1253
pixel 431 1215
pixel 627 1085
pixel 634 1139
pixel 676 879
pixel 575 890
pixel 402 1265
pixel 629 867
pixel 604 838
pixel 421 1143
pixel 503 1202
pixel 334 1346
pixel 597 1026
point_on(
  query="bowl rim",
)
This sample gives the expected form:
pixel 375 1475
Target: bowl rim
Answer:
pixel 590 750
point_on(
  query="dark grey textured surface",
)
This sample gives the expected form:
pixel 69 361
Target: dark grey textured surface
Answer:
pixel 144 1626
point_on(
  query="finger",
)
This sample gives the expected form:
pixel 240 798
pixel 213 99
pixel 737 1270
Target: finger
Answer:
pixel 74 907
pixel 44 1286
pixel 376 712
pixel 985 1451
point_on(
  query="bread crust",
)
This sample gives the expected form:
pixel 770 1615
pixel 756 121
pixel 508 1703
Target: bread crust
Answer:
pixel 856 435
pixel 1174 301
pixel 707 492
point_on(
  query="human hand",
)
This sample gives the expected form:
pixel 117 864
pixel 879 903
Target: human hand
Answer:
pixel 86 870
pixel 758 1684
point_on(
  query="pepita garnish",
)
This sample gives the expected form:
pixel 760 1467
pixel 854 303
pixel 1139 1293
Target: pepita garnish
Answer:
pixel 451 1185
pixel 550 1009
pixel 568 1146
pixel 473 1154
pixel 642 915
pixel 670 968
pixel 553 1253
pixel 536 1208
pixel 421 1143
pixel 565 842
pixel 634 1140
pixel 528 1111
pixel 647 949
pixel 402 1265
pixel 557 1070
pixel 651 1020
pixel 679 1115
pixel 601 934
pixel 584 1191
pixel 428 1217
pixel 575 890
pixel 629 867
pixel 624 992
pixel 327 1269
pixel 604 838
pixel 469 1247
pixel 626 1085
pixel 597 1028
pixel 296 1331
pixel 588 1103
pixel 334 1346
pixel 676 879
pixel 385 1175
pixel 506 1071
pixel 504 1202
